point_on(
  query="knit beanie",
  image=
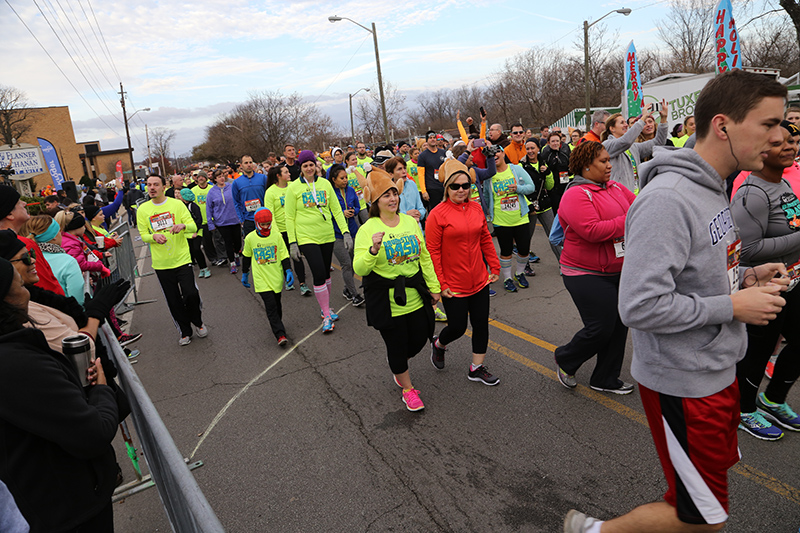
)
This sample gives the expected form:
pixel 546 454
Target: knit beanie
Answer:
pixel 304 156
pixel 8 200
pixel 91 211
pixel 77 222
pixel 263 216
pixel 10 245
pixel 377 183
pixel 6 277
pixel 187 195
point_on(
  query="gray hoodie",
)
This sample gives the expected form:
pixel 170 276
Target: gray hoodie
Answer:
pixel 621 166
pixel 674 290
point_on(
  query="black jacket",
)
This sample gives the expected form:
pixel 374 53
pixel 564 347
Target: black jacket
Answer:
pixel 540 197
pixel 376 294
pixel 55 436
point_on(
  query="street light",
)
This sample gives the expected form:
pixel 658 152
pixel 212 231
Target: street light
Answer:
pixel 374 33
pixel 624 11
pixel 352 127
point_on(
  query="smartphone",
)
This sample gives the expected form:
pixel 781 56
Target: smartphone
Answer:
pixel 483 113
pixel 479 143
pixel 656 107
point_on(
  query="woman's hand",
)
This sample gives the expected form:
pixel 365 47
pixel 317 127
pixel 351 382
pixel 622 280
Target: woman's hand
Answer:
pixel 96 374
pixel 470 146
pixel 493 278
pixel 513 186
pixel 349 213
pixel 413 213
pixel 447 293
pixel 458 115
pixel 377 240
pixel 664 111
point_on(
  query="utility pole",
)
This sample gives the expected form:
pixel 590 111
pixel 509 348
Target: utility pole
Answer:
pixel 380 84
pixel 127 132
pixel 147 135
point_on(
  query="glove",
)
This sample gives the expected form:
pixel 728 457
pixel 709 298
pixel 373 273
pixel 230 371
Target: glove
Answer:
pixel 348 241
pixel 351 169
pixel 289 277
pixel 294 252
pixel 105 273
pixel 367 167
pixel 105 299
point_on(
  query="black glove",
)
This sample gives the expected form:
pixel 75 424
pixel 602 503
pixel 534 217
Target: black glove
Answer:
pixel 105 299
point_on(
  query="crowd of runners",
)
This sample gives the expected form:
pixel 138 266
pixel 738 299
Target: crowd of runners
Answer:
pixel 692 241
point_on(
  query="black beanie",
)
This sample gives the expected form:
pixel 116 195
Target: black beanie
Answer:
pixel 91 211
pixel 10 245
pixel 77 222
pixel 8 200
pixel 6 277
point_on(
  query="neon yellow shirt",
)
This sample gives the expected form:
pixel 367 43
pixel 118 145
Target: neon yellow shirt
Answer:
pixel 101 231
pixel 200 199
pixel 273 200
pixel 402 253
pixel 506 202
pixel 360 162
pixel 352 180
pixel 267 253
pixel 152 219
pixel 310 220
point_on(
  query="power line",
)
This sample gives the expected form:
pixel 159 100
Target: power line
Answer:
pixel 106 53
pixel 83 42
pixel 340 72
pixel 103 37
pixel 60 69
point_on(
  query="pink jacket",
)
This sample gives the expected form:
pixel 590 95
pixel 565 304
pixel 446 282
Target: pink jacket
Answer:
pixel 592 216
pixel 75 247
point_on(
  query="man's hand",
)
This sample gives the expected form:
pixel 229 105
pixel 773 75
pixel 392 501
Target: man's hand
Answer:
pixel 159 238
pixel 469 121
pixel 177 228
pixel 765 274
pixel 414 213
pixel 426 196
pixel 757 305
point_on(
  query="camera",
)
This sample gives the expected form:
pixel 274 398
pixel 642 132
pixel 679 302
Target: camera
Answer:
pixel 490 151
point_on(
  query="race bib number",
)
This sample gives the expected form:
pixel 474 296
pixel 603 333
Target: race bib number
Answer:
pixel 162 221
pixel 252 205
pixel 619 247
pixel 734 253
pixel 509 203
pixel 563 178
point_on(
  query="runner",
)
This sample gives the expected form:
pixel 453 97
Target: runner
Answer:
pixel 269 251
pixel 164 224
pixel 277 184
pixel 428 165
pixel 222 217
pixel 541 208
pixel 195 238
pixel 349 202
pixel 400 283
pixel 679 292
pixel 355 176
pixel 248 194
pixel 310 215
pixel 460 247
pixel 200 192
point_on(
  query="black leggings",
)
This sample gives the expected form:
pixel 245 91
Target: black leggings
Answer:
pixel 319 260
pixel 408 336
pixel 508 236
pixel 299 267
pixel 457 309
pixel 232 235
pixel 196 252
pixel 761 341
pixel 272 305
pixel 248 226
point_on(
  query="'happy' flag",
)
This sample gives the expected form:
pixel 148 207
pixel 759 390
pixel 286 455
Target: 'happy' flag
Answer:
pixel 726 38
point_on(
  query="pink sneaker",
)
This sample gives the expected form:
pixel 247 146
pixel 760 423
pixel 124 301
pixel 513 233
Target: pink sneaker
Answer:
pixel 412 400
pixel 394 377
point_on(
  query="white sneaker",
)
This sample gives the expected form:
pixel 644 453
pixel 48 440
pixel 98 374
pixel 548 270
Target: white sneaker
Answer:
pixel 184 341
pixel 202 331
pixel 577 522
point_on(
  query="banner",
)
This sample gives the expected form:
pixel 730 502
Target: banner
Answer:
pixel 633 88
pixel 726 37
pixel 52 162
pixel 26 160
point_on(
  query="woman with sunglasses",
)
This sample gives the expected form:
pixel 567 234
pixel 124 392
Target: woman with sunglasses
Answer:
pixel 47 233
pixel 461 246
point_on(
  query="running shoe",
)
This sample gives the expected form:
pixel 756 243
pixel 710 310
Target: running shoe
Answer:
pixel 439 315
pixel 121 322
pixel 509 286
pixel 327 325
pixel 437 355
pixel 245 282
pixel 358 300
pixel 233 268
pixel 394 377
pixel 288 286
pixel 412 400
pixel 483 375
pixel 208 272
pixel 492 292
pixel 220 262
pixel 126 339
pixel 577 522
pixel 183 341
pixel 523 283
pixel 568 380
pixel 237 260
pixel 767 371
pixel 201 273
pixel 282 340
pixel 132 354
pixel 623 388
pixel 304 290
pixel 758 426
pixel 346 295
pixel 202 331
pixel 533 258
pixel 529 270
pixel 334 316
pixel 780 413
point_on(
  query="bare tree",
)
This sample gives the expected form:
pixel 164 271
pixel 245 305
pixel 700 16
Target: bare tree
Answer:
pixel 13 114
pixel 368 112
pixel 161 143
pixel 792 8
pixel 688 36
pixel 772 44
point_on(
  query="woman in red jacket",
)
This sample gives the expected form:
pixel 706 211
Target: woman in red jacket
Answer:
pixel 592 213
pixel 460 246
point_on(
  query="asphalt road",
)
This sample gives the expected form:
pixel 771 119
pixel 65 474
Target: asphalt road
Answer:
pixel 322 441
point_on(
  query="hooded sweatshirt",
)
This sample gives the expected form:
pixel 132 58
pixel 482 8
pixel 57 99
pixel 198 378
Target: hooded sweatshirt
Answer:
pixel 626 154
pixel 675 290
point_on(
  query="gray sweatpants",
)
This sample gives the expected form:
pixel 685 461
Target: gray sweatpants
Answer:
pixel 345 259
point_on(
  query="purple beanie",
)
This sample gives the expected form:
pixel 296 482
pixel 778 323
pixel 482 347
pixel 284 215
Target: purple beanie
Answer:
pixel 306 155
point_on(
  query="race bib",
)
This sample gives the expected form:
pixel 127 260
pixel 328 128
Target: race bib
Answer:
pixel 619 247
pixel 509 203
pixel 734 252
pixel 794 275
pixel 252 205
pixel 162 222
pixel 563 178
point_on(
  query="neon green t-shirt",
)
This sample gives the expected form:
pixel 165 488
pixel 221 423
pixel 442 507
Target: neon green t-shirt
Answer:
pixel 352 180
pixel 273 200
pixel 200 199
pixel 402 253
pixel 310 220
pixel 152 219
pixel 267 253
pixel 506 202
pixel 360 162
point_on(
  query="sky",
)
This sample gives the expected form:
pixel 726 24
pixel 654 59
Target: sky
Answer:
pixel 190 62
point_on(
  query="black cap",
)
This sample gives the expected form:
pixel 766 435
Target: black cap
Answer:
pixel 8 200
pixel 6 277
pixel 10 245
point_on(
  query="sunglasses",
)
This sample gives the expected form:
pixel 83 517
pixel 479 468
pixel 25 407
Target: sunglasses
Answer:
pixel 517 132
pixel 456 186
pixel 27 259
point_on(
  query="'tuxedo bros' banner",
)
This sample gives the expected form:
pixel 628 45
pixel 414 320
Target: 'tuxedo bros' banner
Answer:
pixel 633 86
pixel 726 37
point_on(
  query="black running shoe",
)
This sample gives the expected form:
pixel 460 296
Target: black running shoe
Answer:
pixel 483 375
pixel 437 355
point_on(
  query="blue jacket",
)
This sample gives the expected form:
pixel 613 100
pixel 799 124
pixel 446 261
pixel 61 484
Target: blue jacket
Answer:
pixel 245 189
pixel 524 186
pixel 111 209
pixel 410 199
pixel 220 210
pixel 352 202
pixel 481 175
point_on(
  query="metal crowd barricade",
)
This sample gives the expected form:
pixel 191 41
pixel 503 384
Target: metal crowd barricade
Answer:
pixel 185 504
pixel 123 264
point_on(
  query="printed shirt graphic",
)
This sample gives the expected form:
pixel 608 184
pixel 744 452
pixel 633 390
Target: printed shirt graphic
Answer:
pixel 506 202
pixel 152 219
pixel 267 253
pixel 200 196
pixel 791 209
pixel 352 180
pixel 308 222
pixel 274 200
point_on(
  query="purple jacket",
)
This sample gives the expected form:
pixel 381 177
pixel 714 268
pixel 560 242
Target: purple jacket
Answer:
pixel 220 210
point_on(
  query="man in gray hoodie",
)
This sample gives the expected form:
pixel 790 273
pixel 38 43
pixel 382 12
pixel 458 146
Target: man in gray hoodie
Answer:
pixel 680 293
